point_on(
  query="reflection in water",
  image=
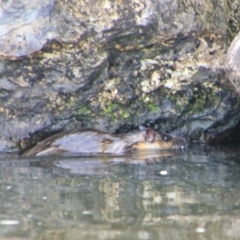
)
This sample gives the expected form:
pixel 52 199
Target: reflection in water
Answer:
pixel 189 195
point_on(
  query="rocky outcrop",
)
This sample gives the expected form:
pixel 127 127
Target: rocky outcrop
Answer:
pixel 232 63
pixel 115 65
pixel 232 71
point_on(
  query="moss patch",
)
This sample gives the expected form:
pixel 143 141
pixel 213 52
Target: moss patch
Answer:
pixel 83 112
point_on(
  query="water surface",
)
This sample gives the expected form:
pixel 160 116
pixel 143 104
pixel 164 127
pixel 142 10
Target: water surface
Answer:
pixel 193 194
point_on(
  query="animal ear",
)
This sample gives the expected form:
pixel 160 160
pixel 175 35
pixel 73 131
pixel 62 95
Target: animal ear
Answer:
pixel 149 134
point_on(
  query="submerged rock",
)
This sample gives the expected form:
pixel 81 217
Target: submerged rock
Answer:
pixel 114 65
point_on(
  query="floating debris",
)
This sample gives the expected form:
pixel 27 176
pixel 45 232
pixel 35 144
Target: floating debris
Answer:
pixel 163 172
pixel 9 222
pixel 200 230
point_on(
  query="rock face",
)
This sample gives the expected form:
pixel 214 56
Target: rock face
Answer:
pixel 115 65
pixel 232 63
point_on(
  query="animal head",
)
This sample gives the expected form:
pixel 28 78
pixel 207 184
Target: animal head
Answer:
pixel 159 141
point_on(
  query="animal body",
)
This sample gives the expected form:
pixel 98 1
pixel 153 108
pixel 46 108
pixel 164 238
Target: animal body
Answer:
pixel 87 141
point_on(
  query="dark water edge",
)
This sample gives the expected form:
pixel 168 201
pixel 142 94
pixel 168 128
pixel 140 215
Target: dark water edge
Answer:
pixel 194 194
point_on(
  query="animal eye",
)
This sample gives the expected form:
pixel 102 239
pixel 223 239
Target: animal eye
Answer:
pixel 165 138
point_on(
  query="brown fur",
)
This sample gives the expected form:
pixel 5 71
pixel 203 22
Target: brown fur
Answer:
pixel 93 141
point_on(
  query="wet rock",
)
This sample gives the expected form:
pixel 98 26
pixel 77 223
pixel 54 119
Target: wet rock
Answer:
pixel 232 62
pixel 115 65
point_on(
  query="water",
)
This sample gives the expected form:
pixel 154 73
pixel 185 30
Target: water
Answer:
pixel 193 194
